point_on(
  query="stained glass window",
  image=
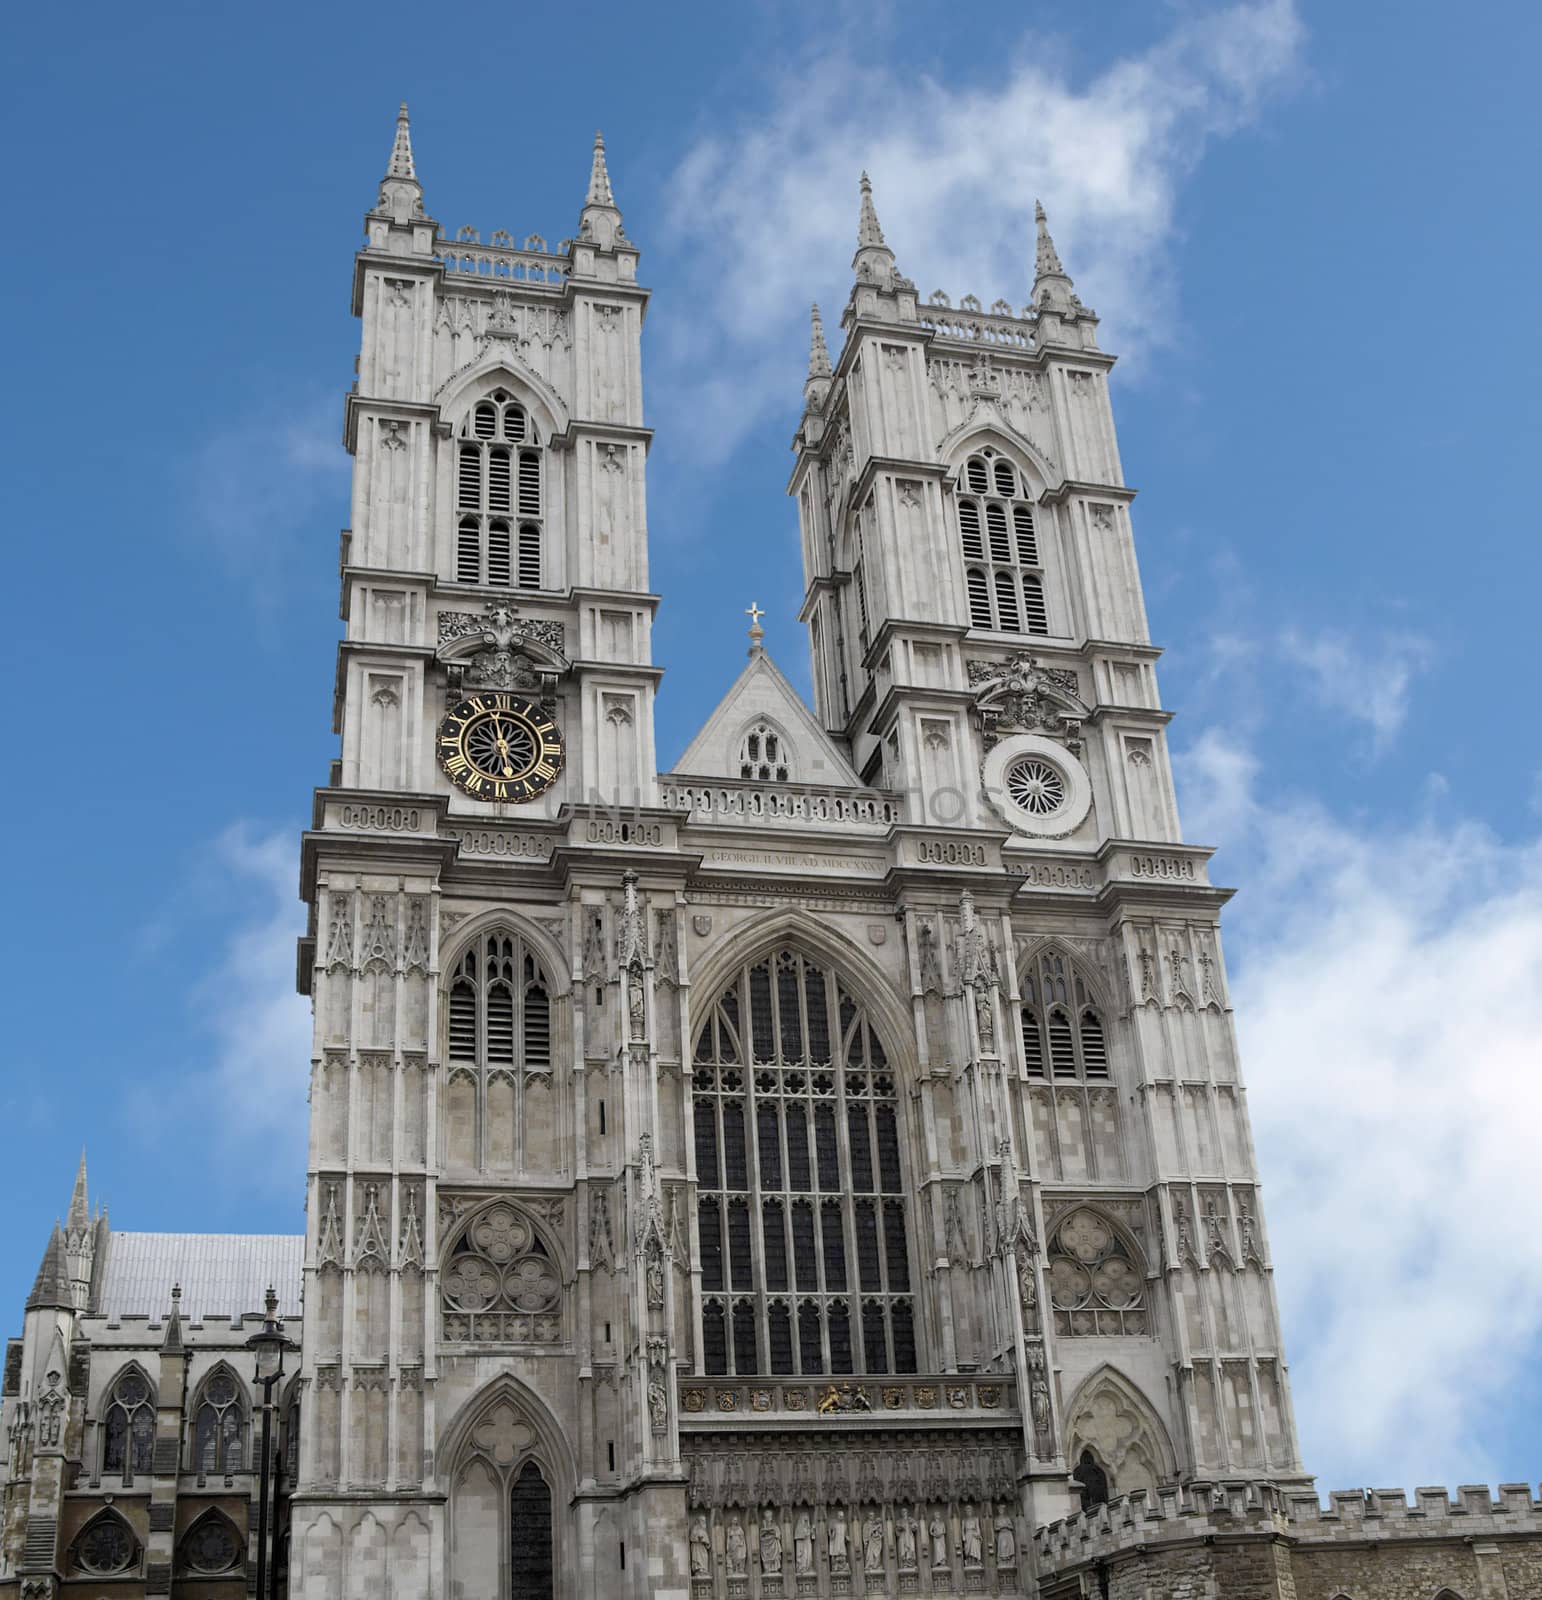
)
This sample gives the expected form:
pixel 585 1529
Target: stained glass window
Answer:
pixel 128 1425
pixel 796 1125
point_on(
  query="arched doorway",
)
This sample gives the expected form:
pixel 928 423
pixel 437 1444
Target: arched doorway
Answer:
pixel 531 1557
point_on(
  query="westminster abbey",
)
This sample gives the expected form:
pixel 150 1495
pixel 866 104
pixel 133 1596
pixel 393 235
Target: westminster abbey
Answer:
pixel 820 1170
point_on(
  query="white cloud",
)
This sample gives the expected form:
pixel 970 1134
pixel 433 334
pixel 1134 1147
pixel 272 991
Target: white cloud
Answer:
pixel 255 1090
pixel 1388 987
pixel 764 211
pixel 1368 682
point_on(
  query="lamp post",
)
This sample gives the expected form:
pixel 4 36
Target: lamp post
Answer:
pixel 268 1345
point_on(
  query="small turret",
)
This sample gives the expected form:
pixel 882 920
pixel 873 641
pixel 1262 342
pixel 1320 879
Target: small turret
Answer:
pixel 401 195
pixel 1052 288
pixel 874 259
pixel 80 1240
pixel 600 221
pixel 817 385
pixel 52 1289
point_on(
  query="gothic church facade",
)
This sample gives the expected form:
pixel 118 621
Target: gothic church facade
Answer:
pixel 820 1170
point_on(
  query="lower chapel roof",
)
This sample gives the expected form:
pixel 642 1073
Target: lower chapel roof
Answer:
pixel 221 1274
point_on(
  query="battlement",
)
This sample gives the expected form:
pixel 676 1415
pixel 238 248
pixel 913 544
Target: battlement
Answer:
pixel 1205 1511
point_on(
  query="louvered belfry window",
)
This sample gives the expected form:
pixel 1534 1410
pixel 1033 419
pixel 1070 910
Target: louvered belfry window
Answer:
pixel 801 1204
pixel 1063 1036
pixel 499 505
pixel 1003 577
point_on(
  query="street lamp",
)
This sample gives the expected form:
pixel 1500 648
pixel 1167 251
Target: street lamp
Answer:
pixel 268 1345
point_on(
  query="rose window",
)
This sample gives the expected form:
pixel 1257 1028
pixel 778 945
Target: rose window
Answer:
pixel 211 1546
pixel 1095 1285
pixel 500 1284
pixel 1035 786
pixel 106 1547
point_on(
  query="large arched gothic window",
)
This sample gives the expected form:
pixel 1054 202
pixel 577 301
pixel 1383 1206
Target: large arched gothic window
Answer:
pixel 128 1425
pixel 500 1282
pixel 501 1510
pixel 499 504
pixel 1096 1283
pixel 801 1207
pixel 1002 570
pixel 1063 1035
pixel 499 1042
pixel 219 1425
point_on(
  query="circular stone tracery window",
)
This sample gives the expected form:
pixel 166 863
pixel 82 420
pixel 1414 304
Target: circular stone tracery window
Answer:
pixel 1035 786
pixel 211 1546
pixel 106 1548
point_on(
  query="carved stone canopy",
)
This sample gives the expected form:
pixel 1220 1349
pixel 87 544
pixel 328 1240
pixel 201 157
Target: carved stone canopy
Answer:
pixel 501 650
pixel 1021 695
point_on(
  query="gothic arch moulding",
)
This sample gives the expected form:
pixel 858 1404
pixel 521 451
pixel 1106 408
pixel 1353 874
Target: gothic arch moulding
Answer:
pixel 972 436
pixel 495 369
pixel 762 742
pixel 1109 1417
pixel 535 937
pixel 107 1547
pixel 870 986
pixel 507 1459
pixel 1097 982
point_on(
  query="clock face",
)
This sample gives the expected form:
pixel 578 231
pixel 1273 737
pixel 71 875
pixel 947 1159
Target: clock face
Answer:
pixel 499 747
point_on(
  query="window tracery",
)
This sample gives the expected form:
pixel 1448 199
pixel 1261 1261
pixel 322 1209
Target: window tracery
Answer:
pixel 1003 574
pixel 211 1546
pixel 763 754
pixel 1063 1036
pixel 500 1283
pixel 498 496
pixel 219 1421
pixel 106 1546
pixel 499 1038
pixel 801 1202
pixel 1096 1285
pixel 128 1424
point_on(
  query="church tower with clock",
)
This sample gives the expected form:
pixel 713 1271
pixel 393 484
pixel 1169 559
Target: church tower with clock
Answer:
pixel 822 1169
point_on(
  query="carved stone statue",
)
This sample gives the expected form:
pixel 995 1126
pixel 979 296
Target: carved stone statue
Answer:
pixel 701 1549
pixel 803 1543
pixel 1006 1538
pixel 655 1280
pixel 905 1541
pixel 973 1539
pixel 658 1407
pixel 872 1543
pixel 736 1548
pixel 937 1531
pixel 770 1543
pixel 1028 1297
pixel 635 1008
pixel 840 1550
pixel 985 1021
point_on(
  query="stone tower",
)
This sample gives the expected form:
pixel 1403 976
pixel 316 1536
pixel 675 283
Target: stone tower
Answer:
pixel 479 977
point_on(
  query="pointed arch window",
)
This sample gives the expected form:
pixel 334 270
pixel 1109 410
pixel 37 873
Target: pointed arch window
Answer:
pixel 211 1547
pixel 128 1425
pixel 500 1283
pixel 763 754
pixel 801 1204
pixel 219 1425
pixel 1003 577
pixel 499 504
pixel 499 1028
pixel 1063 1034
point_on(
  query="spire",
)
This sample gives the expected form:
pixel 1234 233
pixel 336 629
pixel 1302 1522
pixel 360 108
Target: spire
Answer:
pixel 869 234
pixel 401 195
pixel 52 1288
pixel 171 1341
pixel 600 221
pixel 1052 290
pixel 817 385
pixel 818 352
pixel 78 1218
pixel 873 263
pixel 599 176
pixel 1046 260
pixel 401 152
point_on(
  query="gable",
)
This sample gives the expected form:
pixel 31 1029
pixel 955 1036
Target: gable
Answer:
pixel 761 695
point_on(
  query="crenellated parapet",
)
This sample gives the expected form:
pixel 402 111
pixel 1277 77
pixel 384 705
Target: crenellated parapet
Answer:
pixel 1359 1540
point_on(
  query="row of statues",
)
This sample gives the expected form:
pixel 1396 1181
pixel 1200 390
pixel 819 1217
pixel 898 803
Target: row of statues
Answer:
pixel 921 1535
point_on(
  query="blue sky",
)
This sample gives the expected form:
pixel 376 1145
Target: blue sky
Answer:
pixel 1304 231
